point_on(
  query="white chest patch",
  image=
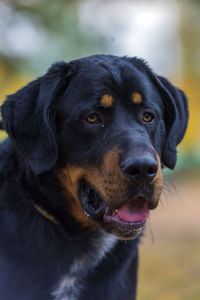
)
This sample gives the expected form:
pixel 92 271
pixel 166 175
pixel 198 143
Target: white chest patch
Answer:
pixel 68 288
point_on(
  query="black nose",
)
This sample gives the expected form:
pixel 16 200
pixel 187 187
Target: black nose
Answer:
pixel 137 168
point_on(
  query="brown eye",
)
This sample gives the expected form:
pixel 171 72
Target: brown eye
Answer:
pixel 93 118
pixel 147 117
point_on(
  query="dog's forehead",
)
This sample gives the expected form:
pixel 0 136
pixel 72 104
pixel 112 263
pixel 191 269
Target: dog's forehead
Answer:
pixel 105 80
pixel 110 71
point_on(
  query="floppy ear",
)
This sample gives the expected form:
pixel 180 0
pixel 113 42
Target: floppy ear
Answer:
pixel 29 117
pixel 176 118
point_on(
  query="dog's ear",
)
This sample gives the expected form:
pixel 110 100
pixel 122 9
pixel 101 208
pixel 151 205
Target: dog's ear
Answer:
pixel 29 116
pixel 176 118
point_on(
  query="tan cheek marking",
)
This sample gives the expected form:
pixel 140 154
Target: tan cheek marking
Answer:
pixel 136 98
pixel 158 181
pixel 69 178
pixel 159 172
pixel 107 100
pixel 110 182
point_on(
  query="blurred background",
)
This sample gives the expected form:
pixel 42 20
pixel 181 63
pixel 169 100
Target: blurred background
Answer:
pixel 36 33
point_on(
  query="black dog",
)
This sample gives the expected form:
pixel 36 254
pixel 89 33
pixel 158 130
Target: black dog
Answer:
pixel 78 174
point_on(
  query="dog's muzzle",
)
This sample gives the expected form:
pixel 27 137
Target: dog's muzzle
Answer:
pixel 125 221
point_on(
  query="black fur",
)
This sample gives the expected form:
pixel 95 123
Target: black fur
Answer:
pixel 45 122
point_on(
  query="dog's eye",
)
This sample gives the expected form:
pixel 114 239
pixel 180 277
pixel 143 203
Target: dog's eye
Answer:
pixel 93 118
pixel 147 117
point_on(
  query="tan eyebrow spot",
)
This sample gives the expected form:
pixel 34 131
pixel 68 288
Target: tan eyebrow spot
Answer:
pixel 107 100
pixel 136 98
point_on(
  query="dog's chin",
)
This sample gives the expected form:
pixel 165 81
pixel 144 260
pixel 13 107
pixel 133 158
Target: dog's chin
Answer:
pixel 125 222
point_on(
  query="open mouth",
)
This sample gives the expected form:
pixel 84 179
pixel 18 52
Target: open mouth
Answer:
pixel 131 216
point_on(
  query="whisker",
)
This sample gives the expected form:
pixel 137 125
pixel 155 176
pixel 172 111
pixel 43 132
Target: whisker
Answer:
pixel 161 200
pixel 170 191
pixel 151 231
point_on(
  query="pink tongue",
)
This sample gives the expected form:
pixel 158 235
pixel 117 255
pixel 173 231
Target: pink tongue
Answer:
pixel 129 213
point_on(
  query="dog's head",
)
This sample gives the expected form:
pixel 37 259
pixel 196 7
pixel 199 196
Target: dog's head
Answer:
pixel 106 125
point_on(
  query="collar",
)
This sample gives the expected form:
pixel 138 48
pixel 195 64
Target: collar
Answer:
pixel 45 214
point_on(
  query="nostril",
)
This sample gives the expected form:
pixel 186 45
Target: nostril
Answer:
pixel 152 171
pixel 132 171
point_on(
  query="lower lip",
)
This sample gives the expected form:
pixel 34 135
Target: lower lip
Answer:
pixel 130 225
